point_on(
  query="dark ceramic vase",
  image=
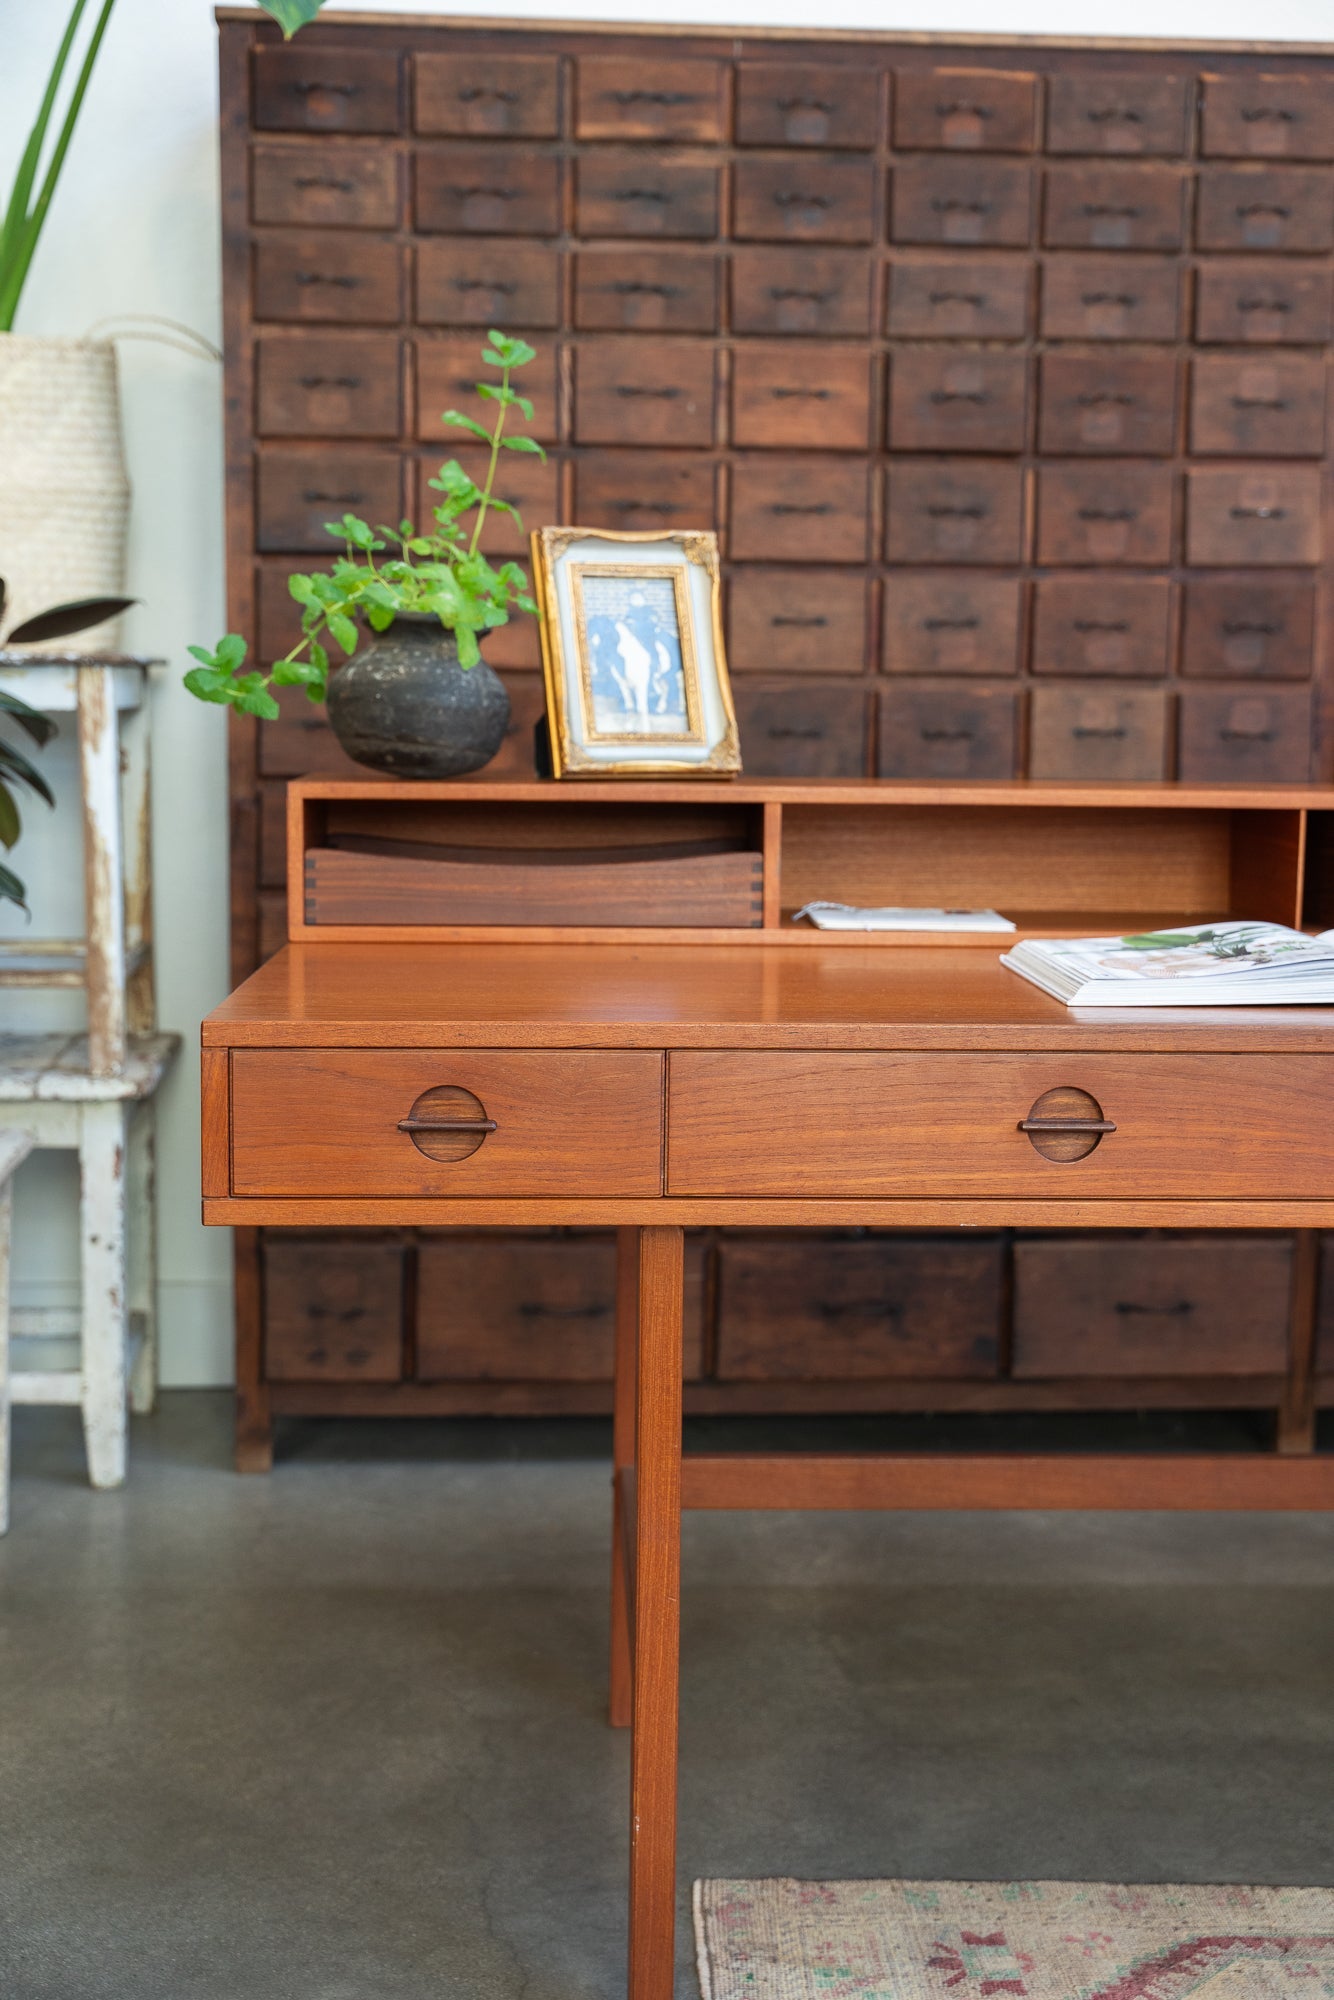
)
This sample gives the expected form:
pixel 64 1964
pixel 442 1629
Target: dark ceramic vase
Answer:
pixel 404 705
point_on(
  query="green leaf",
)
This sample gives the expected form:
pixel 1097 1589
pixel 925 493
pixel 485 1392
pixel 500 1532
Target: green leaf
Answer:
pixel 466 424
pixel 493 392
pixel 252 697
pixel 11 889
pixel 231 652
pixel 419 545
pixel 320 659
pixel 18 766
pixel 299 673
pixel 41 728
pixel 507 351
pixel 469 651
pixel 523 444
pixel 302 589
pixel 343 630
pixel 209 683
pixel 524 404
pixel 379 618
pixel 11 826
pixel 291 14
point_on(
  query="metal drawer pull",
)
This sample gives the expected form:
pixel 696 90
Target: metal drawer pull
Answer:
pixel 787 507
pixel 1258 513
pixel 1108 514
pixel 954 206
pixel 814 622
pixel 815 395
pixel 1129 210
pixel 652 97
pixel 781 292
pixel 1250 208
pixel 1094 399
pixel 1121 114
pixel 324 181
pixel 631 287
pixel 1081 730
pixel 642 194
pixel 946 735
pixel 1126 299
pixel 484 193
pixel 1235 626
pixel 1259 402
pixel 1181 1307
pixel 943 512
pixel 806 104
pixel 331 381
pixel 471 92
pixel 313 499
pixel 959 396
pixel 666 395
pixel 1264 305
pixel 484 285
pixel 646 507
pixel 447 1125
pixel 1102 624
pixel 1066 1125
pixel 951 624
pixel 343 281
pixel 977 299
pixel 1246 735
pixel 786 198
pixel 313 87
pixel 962 110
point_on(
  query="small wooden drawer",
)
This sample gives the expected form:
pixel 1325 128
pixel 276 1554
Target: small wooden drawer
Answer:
pixel 329 187
pixel 517 1308
pixel 1265 208
pixel 470 281
pixel 1107 734
pixel 1238 303
pixel 793 198
pixel 865 1124
pixel 967 511
pixel 816 1309
pixel 1146 1307
pixel 638 194
pixel 277 615
pixel 1096 111
pixel 800 291
pixel 804 396
pixel 324 90
pixel 325 275
pixel 326 1122
pixel 980 298
pixel 987 202
pixel 657 392
pixel 1095 625
pixel 1114 208
pixel 638 491
pixel 790 731
pixel 1252 628
pixel 298 491
pixel 951 622
pixel 1245 736
pixel 799 510
pixel 447 375
pixel 1110 298
pixel 799 621
pixel 1258 406
pixel 791 104
pixel 1266 517
pixel 1116 512
pixel 496 191
pixel 965 110
pixel 960 399
pixel 944 731
pixel 328 385
pixel 486 97
pixel 522 479
pixel 1268 117
pixel 1108 403
pixel 646 291
pixel 665 98
pixel 333 1310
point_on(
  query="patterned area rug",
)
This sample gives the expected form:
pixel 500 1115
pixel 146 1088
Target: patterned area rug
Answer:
pixel 785 1940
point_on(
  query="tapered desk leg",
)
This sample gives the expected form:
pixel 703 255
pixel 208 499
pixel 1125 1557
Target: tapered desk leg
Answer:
pixel 657 1615
pixel 623 1458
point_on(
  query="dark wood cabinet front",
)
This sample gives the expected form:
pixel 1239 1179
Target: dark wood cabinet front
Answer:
pixel 999 368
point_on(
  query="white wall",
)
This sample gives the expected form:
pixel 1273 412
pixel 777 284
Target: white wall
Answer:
pixel 135 230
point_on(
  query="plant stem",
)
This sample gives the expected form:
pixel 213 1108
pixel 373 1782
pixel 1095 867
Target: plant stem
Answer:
pixel 491 468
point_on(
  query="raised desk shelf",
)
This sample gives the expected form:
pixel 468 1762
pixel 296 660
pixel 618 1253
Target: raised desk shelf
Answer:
pixel 476 860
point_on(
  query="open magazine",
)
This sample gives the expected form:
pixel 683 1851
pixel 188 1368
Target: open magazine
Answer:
pixel 1228 964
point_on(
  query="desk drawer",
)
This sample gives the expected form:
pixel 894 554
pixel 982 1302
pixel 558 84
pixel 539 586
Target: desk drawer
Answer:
pixel 326 1122
pixel 879 1125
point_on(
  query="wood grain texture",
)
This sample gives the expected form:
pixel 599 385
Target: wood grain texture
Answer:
pixel 320 1123
pixel 657 1615
pixel 1238 1481
pixel 782 1123
pixel 215 1121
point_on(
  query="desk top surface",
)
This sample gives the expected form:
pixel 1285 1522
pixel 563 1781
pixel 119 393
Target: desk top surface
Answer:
pixel 706 996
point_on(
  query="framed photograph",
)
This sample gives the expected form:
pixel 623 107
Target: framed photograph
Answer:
pixel 632 652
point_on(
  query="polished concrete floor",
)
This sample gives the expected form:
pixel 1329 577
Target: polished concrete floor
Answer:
pixel 337 1734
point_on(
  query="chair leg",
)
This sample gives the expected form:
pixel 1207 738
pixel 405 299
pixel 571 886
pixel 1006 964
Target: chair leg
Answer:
pixel 102 1183
pixel 657 1615
pixel 6 1232
pixel 142 1226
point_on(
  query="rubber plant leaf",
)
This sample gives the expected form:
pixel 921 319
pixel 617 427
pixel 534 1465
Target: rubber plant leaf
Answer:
pixel 291 14
pixel 62 620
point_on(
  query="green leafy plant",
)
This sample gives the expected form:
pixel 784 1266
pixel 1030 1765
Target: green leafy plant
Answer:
pixel 30 196
pixel 440 573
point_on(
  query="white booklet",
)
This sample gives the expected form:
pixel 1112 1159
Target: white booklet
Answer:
pixel 849 917
pixel 1228 964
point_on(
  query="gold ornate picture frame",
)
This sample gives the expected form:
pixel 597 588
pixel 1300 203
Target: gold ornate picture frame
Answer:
pixel 632 654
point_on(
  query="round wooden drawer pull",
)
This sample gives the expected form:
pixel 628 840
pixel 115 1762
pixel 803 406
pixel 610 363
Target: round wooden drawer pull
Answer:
pixel 1065 1124
pixel 447 1123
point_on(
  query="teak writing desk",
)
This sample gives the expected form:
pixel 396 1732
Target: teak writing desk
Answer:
pixel 515 1077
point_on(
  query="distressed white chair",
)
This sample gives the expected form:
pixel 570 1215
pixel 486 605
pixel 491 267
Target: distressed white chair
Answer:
pixel 14 1149
pixel 93 1093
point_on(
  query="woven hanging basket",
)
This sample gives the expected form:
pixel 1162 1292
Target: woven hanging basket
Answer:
pixel 64 495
